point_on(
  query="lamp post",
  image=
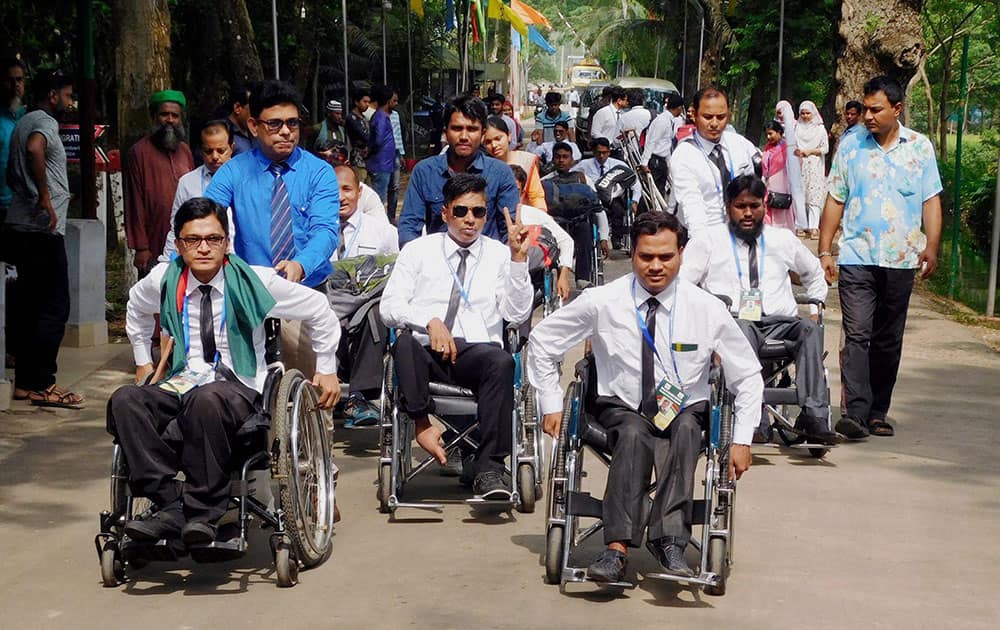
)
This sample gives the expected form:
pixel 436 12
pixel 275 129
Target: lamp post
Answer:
pixel 274 29
pixel 386 6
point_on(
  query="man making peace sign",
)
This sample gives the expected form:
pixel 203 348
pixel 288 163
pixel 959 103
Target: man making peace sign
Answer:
pixel 452 292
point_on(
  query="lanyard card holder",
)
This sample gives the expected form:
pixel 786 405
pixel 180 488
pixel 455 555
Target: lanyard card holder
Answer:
pixel 751 305
pixel 670 399
pixel 186 380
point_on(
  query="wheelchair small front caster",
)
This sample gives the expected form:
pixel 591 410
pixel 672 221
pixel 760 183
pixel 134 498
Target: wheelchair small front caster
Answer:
pixel 112 565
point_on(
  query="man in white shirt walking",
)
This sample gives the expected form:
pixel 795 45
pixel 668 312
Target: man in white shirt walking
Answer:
pixel 705 162
pixel 207 391
pixel 660 141
pixel 749 263
pixel 454 329
pixel 607 120
pixel 649 331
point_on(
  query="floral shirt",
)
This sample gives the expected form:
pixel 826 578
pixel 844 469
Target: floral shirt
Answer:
pixel 883 192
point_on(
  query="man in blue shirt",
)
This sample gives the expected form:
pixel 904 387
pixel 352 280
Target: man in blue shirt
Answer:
pixel 285 201
pixel 852 117
pixel 382 146
pixel 547 119
pixel 465 119
pixel 884 184
pixel 11 110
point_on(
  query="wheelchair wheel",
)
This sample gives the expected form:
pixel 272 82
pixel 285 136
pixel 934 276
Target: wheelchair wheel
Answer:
pixel 553 554
pixel 718 564
pixel 384 481
pixel 819 453
pixel 120 493
pixel 526 488
pixel 304 471
pixel 286 566
pixel 112 565
pixel 555 535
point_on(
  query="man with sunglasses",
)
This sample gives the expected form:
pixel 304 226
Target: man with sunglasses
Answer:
pixel 450 295
pixel 203 399
pixel 285 201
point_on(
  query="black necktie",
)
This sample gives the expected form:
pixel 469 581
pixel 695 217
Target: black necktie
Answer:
pixel 647 406
pixel 601 165
pixel 456 294
pixel 720 162
pixel 343 243
pixel 206 324
pixel 752 263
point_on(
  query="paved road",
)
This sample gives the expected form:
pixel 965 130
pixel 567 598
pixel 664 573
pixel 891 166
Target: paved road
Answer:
pixel 892 533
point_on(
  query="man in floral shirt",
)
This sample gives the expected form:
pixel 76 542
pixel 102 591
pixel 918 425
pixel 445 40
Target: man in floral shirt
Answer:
pixel 884 184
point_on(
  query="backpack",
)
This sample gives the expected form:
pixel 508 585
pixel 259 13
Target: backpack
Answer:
pixel 614 184
pixel 570 202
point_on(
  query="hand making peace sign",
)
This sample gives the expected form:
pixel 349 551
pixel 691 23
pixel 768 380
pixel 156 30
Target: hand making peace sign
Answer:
pixel 517 238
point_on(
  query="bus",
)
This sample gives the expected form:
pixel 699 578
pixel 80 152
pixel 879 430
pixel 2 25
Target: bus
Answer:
pixel 586 72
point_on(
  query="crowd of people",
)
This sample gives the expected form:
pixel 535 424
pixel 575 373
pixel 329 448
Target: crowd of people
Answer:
pixel 261 226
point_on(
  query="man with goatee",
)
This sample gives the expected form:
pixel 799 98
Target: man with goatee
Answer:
pixel 154 165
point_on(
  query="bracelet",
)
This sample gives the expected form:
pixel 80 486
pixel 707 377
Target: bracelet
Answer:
pixel 822 254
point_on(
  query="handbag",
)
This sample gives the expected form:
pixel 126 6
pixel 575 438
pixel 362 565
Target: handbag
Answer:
pixel 779 201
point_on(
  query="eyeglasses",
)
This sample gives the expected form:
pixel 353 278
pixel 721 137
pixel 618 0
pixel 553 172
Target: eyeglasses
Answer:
pixel 274 125
pixel 460 211
pixel 214 241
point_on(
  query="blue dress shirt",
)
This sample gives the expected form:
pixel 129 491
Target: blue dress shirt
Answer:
pixel 425 196
pixel 245 184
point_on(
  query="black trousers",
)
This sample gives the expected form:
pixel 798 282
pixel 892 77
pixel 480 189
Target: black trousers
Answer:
pixel 485 368
pixel 874 301
pixel 637 449
pixel 811 386
pixel 201 442
pixel 361 352
pixel 583 243
pixel 39 317
pixel 658 169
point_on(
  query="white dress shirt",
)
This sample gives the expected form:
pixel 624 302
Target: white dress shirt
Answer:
pixel 637 118
pixel 601 218
pixel 189 186
pixel 531 215
pixel 544 150
pixel 709 262
pixel 419 288
pixel 695 182
pixel 606 315
pixel 592 169
pixel 366 235
pixel 659 137
pixel 293 301
pixel 606 124
pixel 369 203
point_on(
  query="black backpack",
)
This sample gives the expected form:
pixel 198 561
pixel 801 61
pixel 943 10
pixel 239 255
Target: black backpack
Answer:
pixel 570 200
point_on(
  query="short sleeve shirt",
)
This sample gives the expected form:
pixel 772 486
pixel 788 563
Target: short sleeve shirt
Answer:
pixel 24 214
pixel 883 191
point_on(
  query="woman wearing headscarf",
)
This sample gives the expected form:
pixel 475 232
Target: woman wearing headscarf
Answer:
pixel 784 114
pixel 812 146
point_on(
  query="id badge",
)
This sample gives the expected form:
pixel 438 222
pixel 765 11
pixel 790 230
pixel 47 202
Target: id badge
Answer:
pixel 751 305
pixel 670 399
pixel 186 380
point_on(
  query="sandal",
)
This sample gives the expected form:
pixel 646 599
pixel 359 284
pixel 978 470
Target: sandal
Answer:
pixel 55 396
pixel 880 428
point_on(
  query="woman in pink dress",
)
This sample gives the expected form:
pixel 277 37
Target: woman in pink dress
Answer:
pixel 775 173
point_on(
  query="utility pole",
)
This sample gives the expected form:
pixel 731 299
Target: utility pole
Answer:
pixel 994 248
pixel 274 29
pixel 781 45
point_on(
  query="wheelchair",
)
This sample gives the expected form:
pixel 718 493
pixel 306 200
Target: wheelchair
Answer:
pixel 297 453
pixel 456 409
pixel 568 503
pixel 777 359
pixel 596 257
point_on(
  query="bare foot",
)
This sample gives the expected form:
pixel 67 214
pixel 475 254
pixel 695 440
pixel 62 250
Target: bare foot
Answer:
pixel 428 437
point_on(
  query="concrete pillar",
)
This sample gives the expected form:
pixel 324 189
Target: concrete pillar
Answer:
pixel 85 250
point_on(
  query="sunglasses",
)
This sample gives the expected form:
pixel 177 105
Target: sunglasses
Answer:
pixel 460 211
pixel 274 125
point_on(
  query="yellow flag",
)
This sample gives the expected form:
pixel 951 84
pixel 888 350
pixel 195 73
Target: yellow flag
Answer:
pixel 515 20
pixel 493 9
pixel 417 6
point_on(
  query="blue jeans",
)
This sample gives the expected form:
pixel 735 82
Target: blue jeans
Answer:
pixel 380 183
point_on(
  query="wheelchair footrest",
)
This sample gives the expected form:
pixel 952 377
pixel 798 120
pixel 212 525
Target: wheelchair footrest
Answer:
pixel 152 551
pixel 582 504
pixel 501 505
pixel 218 551
pixel 705 579
pixel 577 575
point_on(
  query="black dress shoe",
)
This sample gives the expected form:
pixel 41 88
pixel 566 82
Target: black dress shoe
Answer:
pixel 468 475
pixel 164 523
pixel 489 485
pixel 814 429
pixel 199 533
pixel 608 566
pixel 670 556
pixel 851 428
pixel 763 434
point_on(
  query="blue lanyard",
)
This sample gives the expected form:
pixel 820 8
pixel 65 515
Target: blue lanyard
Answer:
pixel 187 327
pixel 354 237
pixel 732 174
pixel 648 338
pixel 760 259
pixel 463 290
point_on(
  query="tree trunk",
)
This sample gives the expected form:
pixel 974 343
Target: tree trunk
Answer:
pixel 143 64
pixel 718 35
pixel 757 107
pixel 877 37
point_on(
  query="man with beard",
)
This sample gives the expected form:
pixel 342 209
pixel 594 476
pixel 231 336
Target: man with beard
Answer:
pixel 34 233
pixel 749 263
pixel 152 170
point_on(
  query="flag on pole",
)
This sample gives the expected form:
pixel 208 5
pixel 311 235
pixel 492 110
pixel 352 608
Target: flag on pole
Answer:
pixel 536 37
pixel 479 23
pixel 529 14
pixel 449 15
pixel 417 6
pixel 515 39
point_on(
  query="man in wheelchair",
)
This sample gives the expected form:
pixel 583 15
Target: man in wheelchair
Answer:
pixel 749 263
pixel 653 338
pixel 450 293
pixel 190 414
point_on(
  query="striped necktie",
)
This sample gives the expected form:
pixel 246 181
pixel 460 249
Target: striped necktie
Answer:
pixel 282 244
